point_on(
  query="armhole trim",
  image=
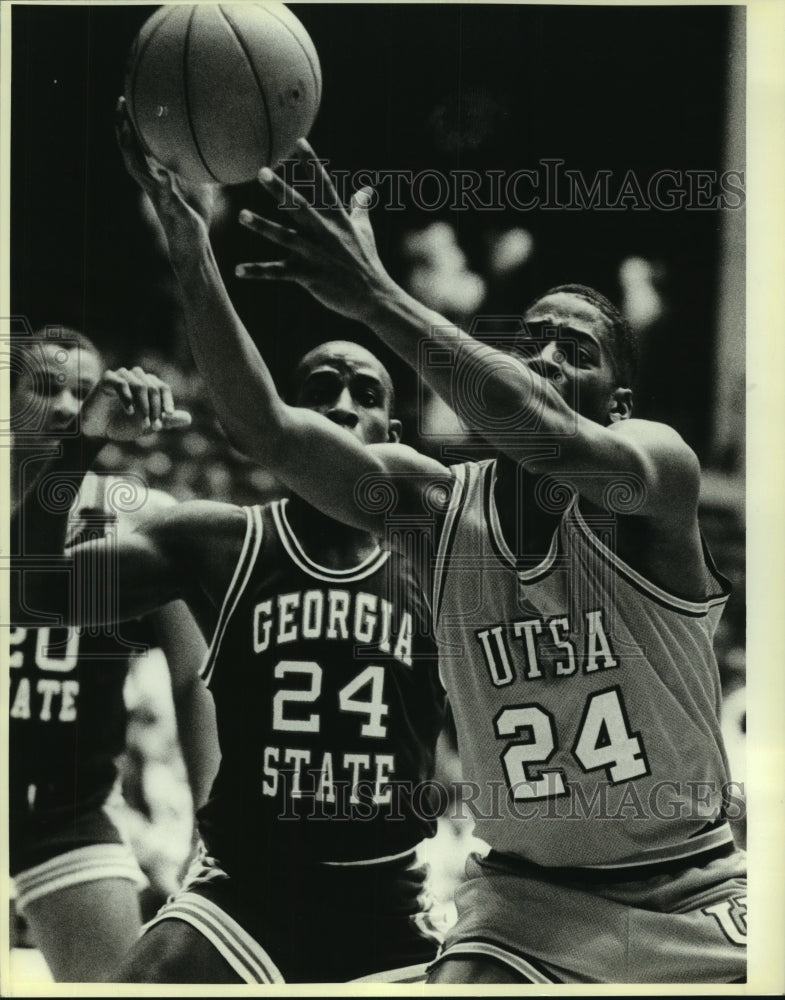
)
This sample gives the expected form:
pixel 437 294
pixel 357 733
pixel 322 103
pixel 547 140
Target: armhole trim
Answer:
pixel 461 474
pixel 252 542
pixel 694 609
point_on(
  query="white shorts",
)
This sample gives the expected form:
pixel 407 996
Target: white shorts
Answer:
pixel 687 927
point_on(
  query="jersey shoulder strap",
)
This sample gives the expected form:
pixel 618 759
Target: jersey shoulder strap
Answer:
pixel 249 552
pixel 468 480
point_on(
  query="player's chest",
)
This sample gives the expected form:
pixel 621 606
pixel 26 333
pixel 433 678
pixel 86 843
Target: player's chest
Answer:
pixel 313 659
pixel 325 622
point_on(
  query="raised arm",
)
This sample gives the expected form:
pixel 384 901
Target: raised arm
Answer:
pixel 517 409
pixel 122 407
pixel 81 586
pixel 314 457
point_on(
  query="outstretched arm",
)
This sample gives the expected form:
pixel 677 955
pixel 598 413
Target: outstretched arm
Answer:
pixel 187 551
pixel 333 255
pixel 313 456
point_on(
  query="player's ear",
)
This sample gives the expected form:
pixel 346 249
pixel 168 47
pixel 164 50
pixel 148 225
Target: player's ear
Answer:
pixel 394 429
pixel 620 405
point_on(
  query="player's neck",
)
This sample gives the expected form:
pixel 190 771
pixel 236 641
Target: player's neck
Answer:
pixel 326 540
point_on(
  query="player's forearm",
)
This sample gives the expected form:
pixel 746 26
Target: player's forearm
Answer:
pixel 482 383
pixel 326 466
pixel 96 583
pixel 240 385
pixel 310 454
pixel 513 408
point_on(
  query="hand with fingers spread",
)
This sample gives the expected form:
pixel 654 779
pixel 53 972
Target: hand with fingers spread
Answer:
pixel 183 210
pixel 331 253
pixel 129 403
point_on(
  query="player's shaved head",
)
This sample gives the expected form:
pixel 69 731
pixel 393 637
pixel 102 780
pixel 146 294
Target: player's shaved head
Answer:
pixel 343 354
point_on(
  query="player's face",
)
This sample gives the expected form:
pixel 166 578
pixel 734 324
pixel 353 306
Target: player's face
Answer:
pixel 54 386
pixel 572 347
pixel 349 386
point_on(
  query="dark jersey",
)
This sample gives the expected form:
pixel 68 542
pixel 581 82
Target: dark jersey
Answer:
pixel 328 706
pixel 67 715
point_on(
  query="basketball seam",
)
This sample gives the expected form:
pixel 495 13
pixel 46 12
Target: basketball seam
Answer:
pixel 317 85
pixel 259 87
pixel 131 90
pixel 186 94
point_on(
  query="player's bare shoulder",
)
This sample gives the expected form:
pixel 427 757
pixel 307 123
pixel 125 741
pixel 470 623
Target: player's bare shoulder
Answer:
pixel 670 470
pixel 661 540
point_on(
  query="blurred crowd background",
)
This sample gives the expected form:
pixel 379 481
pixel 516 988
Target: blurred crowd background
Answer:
pixel 440 87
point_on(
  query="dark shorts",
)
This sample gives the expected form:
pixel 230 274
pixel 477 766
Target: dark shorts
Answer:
pixel 317 924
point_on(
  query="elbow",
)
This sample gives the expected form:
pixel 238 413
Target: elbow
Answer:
pixel 281 436
pixel 242 438
pixel 269 438
pixel 260 440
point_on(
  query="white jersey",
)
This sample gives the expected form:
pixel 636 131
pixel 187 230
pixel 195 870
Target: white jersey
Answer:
pixel 586 698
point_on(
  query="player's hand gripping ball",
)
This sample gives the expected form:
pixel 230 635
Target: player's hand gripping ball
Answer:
pixel 218 91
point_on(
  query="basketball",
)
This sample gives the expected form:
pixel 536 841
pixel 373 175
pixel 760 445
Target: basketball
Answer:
pixel 218 91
